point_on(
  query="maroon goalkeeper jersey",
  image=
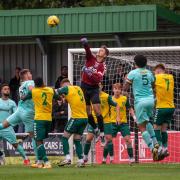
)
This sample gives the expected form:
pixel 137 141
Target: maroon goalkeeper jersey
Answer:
pixel 94 71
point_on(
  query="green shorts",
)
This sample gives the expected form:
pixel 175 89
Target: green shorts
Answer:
pixel 76 126
pixel 163 115
pixel 122 128
pixel 41 129
pixel 26 117
pixel 9 135
pixel 144 110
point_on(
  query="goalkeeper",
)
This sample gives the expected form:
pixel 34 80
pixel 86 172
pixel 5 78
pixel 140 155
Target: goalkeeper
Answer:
pixel 92 75
pixel 164 91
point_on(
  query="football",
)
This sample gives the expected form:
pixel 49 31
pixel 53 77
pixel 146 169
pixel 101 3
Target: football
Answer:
pixel 53 21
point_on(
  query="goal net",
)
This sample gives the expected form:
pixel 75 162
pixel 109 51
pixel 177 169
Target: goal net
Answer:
pixel 119 63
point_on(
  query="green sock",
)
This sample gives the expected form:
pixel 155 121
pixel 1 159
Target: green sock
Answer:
pixel 147 138
pixel 150 130
pixel 42 153
pixel 65 145
pixel 130 151
pixel 110 148
pixel 87 147
pixel 79 150
pixel 158 136
pixel 164 139
pixel 105 152
pixel 21 151
pixel 35 148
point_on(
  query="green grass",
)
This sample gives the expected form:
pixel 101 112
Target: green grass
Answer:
pixel 97 172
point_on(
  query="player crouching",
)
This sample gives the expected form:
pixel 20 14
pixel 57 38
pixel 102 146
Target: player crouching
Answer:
pixel 122 125
pixel 77 122
pixel 105 102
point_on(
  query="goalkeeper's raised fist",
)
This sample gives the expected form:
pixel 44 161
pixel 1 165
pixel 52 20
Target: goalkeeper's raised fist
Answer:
pixel 84 41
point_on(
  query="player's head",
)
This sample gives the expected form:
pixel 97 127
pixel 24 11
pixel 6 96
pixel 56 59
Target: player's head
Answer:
pixel 65 82
pixel 159 69
pixel 25 75
pixel 64 70
pixel 17 71
pixel 117 88
pixel 102 53
pixel 5 90
pixel 39 82
pixel 140 61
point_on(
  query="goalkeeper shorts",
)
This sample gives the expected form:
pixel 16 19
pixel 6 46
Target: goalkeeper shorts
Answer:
pixel 91 93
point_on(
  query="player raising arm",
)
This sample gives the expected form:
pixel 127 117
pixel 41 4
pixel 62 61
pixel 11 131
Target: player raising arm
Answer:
pixel 77 122
pixel 8 107
pixel 141 80
pixel 92 75
pixel 164 91
pixel 122 125
pixel 106 102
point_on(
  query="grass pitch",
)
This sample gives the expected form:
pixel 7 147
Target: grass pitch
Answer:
pixel 95 172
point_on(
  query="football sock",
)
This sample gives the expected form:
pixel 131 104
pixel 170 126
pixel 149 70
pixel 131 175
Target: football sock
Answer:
pixel 110 148
pixel 35 148
pixel 150 130
pixel 147 138
pixel 79 151
pixel 130 151
pixel 100 123
pixel 42 153
pixel 164 139
pixel 21 151
pixel 87 147
pixel 105 152
pixel 91 121
pixel 65 145
pixel 158 136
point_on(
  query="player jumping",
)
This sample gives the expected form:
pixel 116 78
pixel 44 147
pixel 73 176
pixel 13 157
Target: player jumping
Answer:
pixel 164 91
pixel 106 102
pixel 93 73
pixel 8 107
pixel 122 125
pixel 141 80
pixel 25 110
pixel 77 123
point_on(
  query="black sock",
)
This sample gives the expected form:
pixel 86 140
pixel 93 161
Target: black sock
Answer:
pixel 91 121
pixel 100 123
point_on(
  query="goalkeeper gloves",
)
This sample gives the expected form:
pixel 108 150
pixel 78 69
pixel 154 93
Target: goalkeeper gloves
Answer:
pixel 86 70
pixel 84 41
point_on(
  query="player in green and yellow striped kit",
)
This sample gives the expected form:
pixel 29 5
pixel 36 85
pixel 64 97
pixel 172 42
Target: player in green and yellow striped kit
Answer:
pixel 77 123
pixel 42 97
pixel 122 126
pixel 164 91
pixel 106 102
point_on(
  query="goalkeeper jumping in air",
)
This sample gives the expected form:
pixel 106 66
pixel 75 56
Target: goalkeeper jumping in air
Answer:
pixel 92 75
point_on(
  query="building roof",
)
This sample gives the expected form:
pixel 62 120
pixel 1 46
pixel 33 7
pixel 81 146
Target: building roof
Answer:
pixel 87 20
